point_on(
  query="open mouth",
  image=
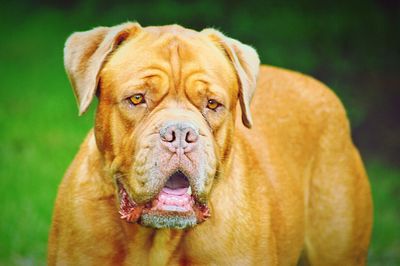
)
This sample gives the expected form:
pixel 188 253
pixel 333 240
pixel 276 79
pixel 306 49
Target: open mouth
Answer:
pixel 174 207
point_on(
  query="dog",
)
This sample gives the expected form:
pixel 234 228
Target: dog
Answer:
pixel 185 167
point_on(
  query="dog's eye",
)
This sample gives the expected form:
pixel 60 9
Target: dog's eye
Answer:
pixel 213 104
pixel 137 99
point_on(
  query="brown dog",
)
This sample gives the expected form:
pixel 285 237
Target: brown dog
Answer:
pixel 169 177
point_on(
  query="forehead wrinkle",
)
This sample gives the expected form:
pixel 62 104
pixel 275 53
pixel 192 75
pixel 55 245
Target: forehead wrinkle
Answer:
pixel 176 54
pixel 175 62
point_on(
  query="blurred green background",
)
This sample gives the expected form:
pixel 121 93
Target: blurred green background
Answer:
pixel 354 47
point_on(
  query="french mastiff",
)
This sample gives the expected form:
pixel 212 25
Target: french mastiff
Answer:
pixel 171 176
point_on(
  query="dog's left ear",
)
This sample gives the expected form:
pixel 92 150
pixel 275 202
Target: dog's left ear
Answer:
pixel 85 54
pixel 246 62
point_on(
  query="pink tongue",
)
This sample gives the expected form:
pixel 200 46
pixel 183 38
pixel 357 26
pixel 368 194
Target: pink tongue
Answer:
pixel 176 191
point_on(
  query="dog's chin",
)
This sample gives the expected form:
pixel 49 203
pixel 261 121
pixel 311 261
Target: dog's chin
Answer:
pixel 173 207
pixel 165 219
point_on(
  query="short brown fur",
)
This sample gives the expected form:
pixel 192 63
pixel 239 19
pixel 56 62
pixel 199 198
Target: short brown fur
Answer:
pixel 293 184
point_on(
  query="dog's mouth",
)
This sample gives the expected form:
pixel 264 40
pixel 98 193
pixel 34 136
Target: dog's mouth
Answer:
pixel 174 207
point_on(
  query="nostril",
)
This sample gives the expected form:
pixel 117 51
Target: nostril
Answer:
pixel 173 136
pixel 188 139
pixel 191 136
pixel 168 135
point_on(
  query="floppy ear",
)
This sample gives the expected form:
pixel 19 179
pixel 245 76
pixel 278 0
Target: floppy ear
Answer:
pixel 85 54
pixel 246 62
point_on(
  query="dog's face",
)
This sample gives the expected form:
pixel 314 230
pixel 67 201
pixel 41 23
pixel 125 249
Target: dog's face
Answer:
pixel 165 119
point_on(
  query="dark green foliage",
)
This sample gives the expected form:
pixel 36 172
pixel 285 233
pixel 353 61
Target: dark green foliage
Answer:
pixel 352 46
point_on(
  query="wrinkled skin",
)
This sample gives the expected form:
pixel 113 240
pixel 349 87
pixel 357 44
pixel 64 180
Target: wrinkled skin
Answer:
pixel 291 190
pixel 177 83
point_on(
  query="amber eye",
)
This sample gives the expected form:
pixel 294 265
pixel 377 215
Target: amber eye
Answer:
pixel 137 99
pixel 212 104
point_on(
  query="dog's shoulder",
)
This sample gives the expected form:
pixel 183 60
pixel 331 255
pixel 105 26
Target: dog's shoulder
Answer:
pixel 296 88
pixel 291 112
pixel 84 178
pixel 284 94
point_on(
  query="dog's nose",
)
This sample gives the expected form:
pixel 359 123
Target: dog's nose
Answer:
pixel 179 134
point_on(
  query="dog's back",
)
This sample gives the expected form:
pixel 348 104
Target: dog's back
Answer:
pixel 301 139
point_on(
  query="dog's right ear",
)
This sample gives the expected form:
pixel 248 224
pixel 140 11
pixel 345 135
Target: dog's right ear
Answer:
pixel 85 54
pixel 246 63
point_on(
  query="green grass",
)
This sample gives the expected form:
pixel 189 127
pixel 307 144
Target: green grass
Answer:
pixel 385 183
pixel 41 132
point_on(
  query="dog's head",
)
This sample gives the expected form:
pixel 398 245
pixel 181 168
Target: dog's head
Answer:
pixel 166 113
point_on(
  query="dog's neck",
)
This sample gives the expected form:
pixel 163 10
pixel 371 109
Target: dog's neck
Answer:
pixel 155 241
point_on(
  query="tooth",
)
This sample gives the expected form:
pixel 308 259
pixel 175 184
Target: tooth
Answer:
pixel 189 191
